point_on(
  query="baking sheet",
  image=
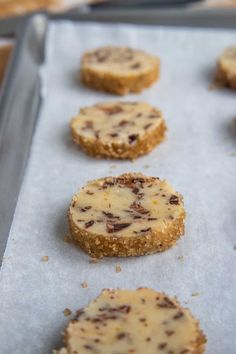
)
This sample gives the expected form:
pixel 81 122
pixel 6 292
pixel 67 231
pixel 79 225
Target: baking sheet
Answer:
pixel 198 158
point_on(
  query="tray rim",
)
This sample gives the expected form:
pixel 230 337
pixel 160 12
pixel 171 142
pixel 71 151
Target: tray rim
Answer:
pixel 179 17
pixel 14 157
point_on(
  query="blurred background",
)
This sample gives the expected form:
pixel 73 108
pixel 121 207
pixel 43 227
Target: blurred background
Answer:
pixel 201 13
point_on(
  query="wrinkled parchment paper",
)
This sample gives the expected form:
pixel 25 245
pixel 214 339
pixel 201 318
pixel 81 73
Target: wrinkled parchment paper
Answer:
pixel 198 158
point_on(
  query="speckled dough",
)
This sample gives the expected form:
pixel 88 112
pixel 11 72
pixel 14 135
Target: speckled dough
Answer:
pixel 126 321
pixel 122 130
pixel 226 68
pixel 129 215
pixel 119 70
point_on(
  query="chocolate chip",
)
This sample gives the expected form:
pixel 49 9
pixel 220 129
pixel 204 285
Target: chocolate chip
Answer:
pixel 112 110
pixel 153 116
pixel 88 124
pixel 138 208
pixel 147 126
pixel 111 227
pixel 121 335
pixel 162 345
pixel 89 193
pixel 102 59
pixel 132 138
pixel 146 230
pixel 79 313
pixel 174 200
pixel 107 184
pixel 143 230
pixel 169 333
pixel 135 66
pixel 123 122
pixel 84 209
pixel 167 303
pixel 86 346
pixel 135 190
pixel 89 224
pixel 113 135
pixel 110 215
pixel 178 315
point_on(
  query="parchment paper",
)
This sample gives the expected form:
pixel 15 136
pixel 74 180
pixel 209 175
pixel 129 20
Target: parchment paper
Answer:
pixel 198 158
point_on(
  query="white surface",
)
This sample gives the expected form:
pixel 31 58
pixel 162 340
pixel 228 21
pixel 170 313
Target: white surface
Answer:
pixel 196 158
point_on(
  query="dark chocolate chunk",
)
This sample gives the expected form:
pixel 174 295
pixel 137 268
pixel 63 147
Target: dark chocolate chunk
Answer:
pixel 167 303
pixel 132 138
pixel 121 335
pixel 147 126
pixel 178 315
pixel 111 227
pixel 110 215
pixel 135 66
pixel 85 208
pixel 174 199
pixel 162 345
pixel 114 135
pixel 112 110
pixel 138 208
pixel 89 224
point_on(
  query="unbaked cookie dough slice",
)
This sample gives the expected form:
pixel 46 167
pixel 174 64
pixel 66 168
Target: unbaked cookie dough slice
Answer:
pixel 129 215
pixel 126 321
pixel 123 130
pixel 226 68
pixel 119 70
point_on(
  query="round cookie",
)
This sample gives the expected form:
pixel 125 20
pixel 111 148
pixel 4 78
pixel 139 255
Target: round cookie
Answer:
pixel 129 215
pixel 126 321
pixel 226 68
pixel 119 70
pixel 123 130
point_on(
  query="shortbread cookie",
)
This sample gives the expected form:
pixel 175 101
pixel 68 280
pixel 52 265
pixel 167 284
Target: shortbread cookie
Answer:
pixel 123 130
pixel 226 68
pixel 119 70
pixel 129 215
pixel 141 321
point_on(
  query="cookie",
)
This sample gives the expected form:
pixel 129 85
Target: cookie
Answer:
pixel 129 215
pixel 119 70
pixel 122 130
pixel 140 321
pixel 226 68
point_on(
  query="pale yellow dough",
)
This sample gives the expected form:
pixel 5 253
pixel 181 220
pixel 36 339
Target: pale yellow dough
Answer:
pixel 138 322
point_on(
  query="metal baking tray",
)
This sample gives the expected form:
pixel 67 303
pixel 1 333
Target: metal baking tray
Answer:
pixel 26 58
pixel 192 17
pixel 19 107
